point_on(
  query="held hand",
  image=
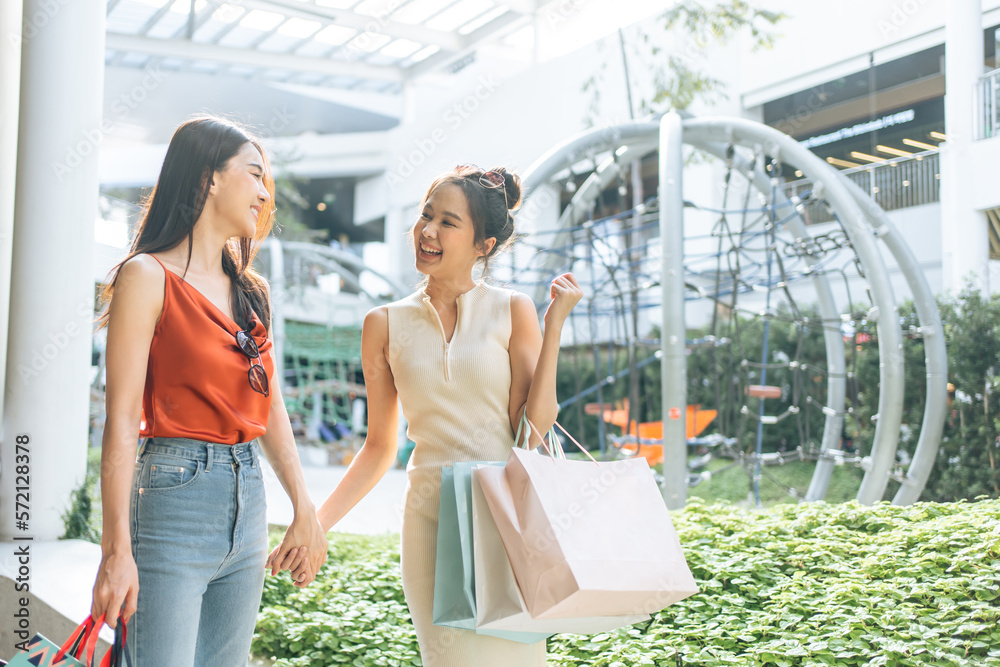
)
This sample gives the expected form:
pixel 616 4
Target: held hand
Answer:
pixel 304 546
pixel 284 557
pixel 302 574
pixel 565 293
pixel 117 584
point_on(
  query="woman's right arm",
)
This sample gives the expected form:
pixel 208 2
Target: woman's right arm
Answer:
pixel 379 450
pixel 135 308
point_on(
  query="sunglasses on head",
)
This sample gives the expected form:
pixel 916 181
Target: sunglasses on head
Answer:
pixel 257 375
pixel 493 180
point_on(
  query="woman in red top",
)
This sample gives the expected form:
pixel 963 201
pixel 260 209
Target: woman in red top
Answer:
pixel 190 357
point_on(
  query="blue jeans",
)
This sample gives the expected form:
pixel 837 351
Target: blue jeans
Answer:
pixel 199 539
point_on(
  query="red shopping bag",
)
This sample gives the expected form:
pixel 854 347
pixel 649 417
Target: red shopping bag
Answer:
pixel 77 651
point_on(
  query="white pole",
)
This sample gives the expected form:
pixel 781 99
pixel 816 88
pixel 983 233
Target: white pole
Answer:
pixel 964 235
pixel 674 361
pixel 10 86
pixel 46 404
pixel 278 308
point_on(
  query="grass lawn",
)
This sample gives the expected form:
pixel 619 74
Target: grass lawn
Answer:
pixel 734 484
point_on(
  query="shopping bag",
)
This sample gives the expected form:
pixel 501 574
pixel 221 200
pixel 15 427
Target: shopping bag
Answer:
pixel 462 476
pixel 586 538
pixel 454 588
pixel 499 603
pixel 454 573
pixel 454 594
pixel 77 651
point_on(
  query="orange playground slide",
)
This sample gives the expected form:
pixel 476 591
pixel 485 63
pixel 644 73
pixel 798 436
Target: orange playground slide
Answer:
pixel 697 421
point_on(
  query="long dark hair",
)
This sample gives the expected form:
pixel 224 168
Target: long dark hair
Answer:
pixel 200 147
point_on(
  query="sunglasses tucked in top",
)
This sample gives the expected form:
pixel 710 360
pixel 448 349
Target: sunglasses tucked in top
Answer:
pixel 257 375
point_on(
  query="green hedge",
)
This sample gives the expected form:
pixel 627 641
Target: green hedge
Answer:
pixel 790 586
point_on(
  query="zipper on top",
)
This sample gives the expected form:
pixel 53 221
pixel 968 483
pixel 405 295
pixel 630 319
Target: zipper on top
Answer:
pixel 444 338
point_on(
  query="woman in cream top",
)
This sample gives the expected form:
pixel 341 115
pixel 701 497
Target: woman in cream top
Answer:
pixel 464 359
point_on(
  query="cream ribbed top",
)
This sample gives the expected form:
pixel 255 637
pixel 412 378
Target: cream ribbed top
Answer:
pixel 454 394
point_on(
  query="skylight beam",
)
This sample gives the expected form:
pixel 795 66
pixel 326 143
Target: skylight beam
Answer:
pixel 188 50
pixel 155 18
pixel 349 19
pixel 504 22
pixel 200 19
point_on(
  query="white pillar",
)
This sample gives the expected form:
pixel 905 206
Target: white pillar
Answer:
pixel 964 240
pixel 52 285
pixel 398 221
pixel 277 256
pixel 10 84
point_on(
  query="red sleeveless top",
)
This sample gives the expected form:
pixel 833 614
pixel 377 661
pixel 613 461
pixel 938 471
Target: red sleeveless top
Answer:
pixel 196 376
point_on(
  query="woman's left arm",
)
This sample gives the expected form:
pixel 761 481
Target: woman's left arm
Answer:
pixel 534 356
pixel 304 537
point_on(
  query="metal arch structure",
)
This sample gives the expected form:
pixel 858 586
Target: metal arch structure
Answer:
pixel 890 340
pixel 865 224
pixel 935 353
pixel 610 169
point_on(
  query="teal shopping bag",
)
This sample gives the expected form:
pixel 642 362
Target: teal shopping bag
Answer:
pixel 454 588
pixel 42 652
pixel 77 651
pixel 454 565
pixel 462 475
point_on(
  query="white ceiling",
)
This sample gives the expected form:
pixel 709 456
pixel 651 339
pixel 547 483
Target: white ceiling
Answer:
pixel 337 65
pixel 361 45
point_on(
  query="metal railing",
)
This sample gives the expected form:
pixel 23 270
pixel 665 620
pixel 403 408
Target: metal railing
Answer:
pixel 988 105
pixel 894 184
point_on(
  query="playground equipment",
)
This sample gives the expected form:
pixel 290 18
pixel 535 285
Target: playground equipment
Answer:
pixel 749 254
pixel 645 438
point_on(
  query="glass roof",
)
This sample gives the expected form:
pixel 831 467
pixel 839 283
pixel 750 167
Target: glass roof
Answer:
pixel 370 45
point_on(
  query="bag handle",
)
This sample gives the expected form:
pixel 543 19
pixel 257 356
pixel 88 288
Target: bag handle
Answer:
pixel 83 642
pixel 582 448
pixel 520 429
pixel 95 633
pixel 551 435
pixel 117 655
pixel 553 448
pixel 72 645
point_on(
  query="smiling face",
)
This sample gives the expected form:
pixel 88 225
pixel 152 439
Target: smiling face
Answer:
pixel 238 193
pixel 444 235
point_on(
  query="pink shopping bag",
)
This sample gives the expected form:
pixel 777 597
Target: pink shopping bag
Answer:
pixel 586 538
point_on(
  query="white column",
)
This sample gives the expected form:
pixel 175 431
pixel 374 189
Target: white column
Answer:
pixel 964 240
pixel 52 285
pixel 277 257
pixel 398 221
pixel 10 83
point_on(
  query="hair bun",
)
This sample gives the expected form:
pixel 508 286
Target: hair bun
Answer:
pixel 511 187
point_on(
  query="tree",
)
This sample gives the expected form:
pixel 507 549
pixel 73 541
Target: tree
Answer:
pixel 291 204
pixel 683 80
pixel 968 463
